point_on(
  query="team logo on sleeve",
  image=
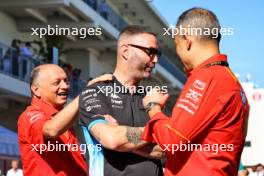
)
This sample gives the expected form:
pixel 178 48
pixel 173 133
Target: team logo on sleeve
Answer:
pixel 34 116
pixel 199 84
pixel 193 95
pixel 190 102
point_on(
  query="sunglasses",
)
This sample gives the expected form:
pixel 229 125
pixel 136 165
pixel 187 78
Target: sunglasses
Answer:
pixel 151 52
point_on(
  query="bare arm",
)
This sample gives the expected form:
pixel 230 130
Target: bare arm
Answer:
pixel 119 138
pixel 61 121
pixel 124 138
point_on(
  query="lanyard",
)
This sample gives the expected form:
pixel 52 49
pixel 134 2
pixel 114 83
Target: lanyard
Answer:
pixel 221 63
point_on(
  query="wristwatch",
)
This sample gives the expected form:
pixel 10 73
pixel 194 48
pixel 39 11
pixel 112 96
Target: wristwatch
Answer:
pixel 150 105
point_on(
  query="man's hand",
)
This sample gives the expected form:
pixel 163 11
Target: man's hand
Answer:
pixel 102 78
pixel 155 96
pixel 151 150
pixel 110 119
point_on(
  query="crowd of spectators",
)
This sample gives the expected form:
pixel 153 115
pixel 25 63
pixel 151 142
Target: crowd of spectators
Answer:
pixel 18 60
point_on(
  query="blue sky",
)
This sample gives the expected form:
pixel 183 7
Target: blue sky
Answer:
pixel 245 48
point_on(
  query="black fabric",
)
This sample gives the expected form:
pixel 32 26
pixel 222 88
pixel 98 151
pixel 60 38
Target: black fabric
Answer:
pixel 128 110
pixel 81 140
pixel 221 63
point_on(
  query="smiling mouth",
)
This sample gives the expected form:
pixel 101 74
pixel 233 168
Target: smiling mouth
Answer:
pixel 63 94
pixel 149 68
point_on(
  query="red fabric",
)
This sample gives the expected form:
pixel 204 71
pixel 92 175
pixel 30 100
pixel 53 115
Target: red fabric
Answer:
pixel 30 137
pixel 212 111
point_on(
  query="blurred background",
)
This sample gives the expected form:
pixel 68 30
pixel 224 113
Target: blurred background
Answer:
pixel 85 58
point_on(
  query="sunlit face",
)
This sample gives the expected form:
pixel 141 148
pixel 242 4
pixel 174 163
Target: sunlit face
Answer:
pixel 53 86
pixel 140 61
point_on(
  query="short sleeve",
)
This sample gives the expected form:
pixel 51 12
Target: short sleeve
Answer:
pixel 93 104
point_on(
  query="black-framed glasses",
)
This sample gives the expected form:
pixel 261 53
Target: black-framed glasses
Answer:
pixel 151 52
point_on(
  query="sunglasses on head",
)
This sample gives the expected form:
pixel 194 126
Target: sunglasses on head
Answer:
pixel 149 51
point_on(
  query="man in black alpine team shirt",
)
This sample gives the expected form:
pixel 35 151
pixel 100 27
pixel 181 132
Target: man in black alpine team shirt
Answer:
pixel 137 54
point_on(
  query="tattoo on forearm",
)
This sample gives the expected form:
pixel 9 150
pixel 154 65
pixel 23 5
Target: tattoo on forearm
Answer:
pixel 133 135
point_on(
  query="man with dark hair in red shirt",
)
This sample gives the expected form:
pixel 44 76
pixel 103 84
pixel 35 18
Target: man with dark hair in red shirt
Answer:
pixel 47 143
pixel 206 132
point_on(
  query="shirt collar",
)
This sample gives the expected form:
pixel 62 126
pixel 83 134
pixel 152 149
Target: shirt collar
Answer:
pixel 47 108
pixel 217 57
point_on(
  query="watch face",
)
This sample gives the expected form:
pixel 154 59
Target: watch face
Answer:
pixel 150 105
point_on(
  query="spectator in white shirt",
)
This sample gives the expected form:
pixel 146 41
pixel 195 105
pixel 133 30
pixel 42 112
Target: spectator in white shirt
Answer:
pixel 14 171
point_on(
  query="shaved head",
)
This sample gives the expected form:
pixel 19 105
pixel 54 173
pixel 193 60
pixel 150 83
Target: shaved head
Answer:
pixel 201 19
pixel 129 32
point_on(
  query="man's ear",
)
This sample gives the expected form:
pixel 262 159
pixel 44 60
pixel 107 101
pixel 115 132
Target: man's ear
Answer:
pixel 35 90
pixel 188 41
pixel 125 51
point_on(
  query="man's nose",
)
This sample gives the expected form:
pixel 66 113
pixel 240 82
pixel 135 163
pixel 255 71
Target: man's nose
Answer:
pixel 65 85
pixel 155 59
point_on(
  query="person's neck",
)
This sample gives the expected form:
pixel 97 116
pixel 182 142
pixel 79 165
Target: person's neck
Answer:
pixel 203 55
pixel 52 105
pixel 124 78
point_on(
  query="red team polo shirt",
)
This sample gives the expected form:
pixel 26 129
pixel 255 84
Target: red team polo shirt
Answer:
pixel 61 161
pixel 208 122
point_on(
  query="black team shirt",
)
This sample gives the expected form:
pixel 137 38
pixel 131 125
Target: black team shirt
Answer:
pixel 127 109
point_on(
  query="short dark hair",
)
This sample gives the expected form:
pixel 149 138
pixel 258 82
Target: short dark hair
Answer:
pixel 135 29
pixel 27 44
pixel 200 19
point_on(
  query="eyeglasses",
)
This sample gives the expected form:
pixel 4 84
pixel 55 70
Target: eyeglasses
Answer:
pixel 151 52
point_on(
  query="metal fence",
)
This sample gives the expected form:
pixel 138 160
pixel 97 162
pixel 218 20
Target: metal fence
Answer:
pixel 15 64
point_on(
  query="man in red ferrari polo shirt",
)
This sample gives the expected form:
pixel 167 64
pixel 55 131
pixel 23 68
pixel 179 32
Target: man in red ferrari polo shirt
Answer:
pixel 206 132
pixel 47 143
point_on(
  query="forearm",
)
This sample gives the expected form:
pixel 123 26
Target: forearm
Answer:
pixel 132 139
pixel 62 120
pixel 119 138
